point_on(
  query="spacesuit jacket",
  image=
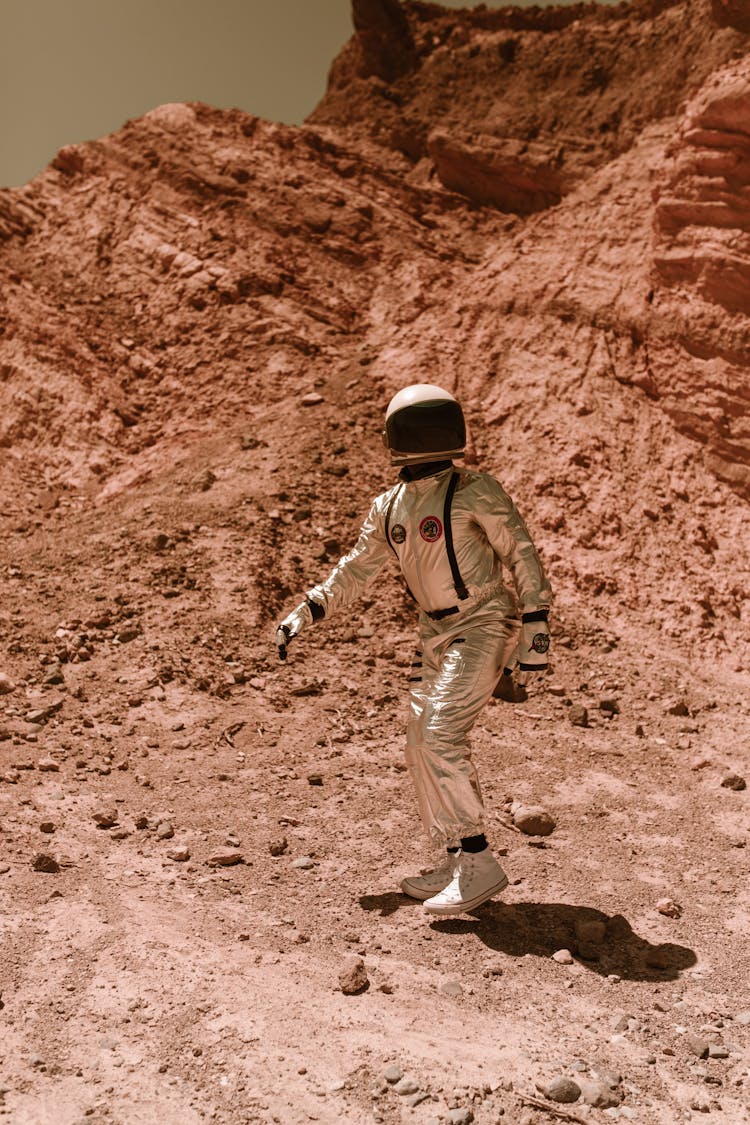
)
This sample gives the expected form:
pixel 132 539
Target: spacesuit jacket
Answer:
pixel 459 652
pixel 488 532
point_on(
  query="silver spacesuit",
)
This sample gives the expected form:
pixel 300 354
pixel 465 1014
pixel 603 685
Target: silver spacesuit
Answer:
pixel 452 531
pixel 468 620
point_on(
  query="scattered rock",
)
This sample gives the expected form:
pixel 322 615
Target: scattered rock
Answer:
pixel 48 765
pixel 668 908
pixel 312 399
pixel 677 707
pixel 128 633
pixel 46 863
pixel 717 1051
pixel 533 820
pixel 406 1086
pixel 164 830
pixel 47 826
pixel 7 687
pixel 590 931
pixel 393 1074
pixel 610 706
pixel 578 715
pixel 179 853
pixel 597 1093
pixel 461 1115
pixel 278 847
pixel 105 818
pixel 225 858
pixel 734 781
pixel 204 481
pixel 303 863
pixel 563 957
pixel 451 988
pixel 353 977
pixel 4 868
pixel 696 1045
pixel 562 1089
pixel 314 779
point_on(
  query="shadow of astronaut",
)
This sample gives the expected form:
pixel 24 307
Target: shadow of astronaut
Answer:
pixel 605 944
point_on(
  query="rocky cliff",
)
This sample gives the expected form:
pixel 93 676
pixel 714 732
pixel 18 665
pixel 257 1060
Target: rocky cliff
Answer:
pixel 546 210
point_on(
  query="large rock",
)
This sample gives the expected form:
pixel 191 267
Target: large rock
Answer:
pixel 506 173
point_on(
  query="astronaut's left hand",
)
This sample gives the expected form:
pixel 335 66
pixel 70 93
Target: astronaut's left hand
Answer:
pixel 533 648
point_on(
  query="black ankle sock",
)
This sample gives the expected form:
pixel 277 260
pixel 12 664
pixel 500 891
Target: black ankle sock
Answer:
pixel 473 844
pixel 452 851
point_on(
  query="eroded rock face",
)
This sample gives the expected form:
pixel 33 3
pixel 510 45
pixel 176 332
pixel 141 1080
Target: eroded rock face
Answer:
pixel 512 175
pixel 700 346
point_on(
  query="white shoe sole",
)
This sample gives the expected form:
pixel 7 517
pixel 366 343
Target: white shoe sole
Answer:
pixel 418 892
pixel 469 904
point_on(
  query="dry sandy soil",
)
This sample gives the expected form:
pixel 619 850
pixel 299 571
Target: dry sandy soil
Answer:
pixel 203 318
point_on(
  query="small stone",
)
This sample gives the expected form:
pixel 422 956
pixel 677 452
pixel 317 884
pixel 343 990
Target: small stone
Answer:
pixel 717 1051
pixel 225 859
pixel 578 715
pixel 128 633
pixel 668 908
pixel 696 1045
pixel 47 826
pixel 4 868
pixel 610 706
pixel 312 399
pixel 179 853
pixel 406 1086
pixel 620 1021
pixel 533 820
pixel 7 687
pixel 46 863
pixel 451 988
pixel 393 1074
pixel 462 1115
pixel 563 957
pixel 590 931
pixel 734 781
pixel 353 976
pixel 677 707
pixel 164 830
pixel 48 765
pixel 658 957
pixel 278 847
pixel 105 818
pixel 562 1089
pixel 303 863
pixel 314 779
pixel 599 1094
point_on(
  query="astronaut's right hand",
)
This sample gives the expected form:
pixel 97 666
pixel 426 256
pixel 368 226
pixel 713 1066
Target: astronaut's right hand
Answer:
pixel 293 624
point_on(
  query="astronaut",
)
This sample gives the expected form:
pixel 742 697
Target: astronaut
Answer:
pixel 452 530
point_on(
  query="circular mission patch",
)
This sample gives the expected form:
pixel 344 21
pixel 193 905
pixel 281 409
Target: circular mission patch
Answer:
pixel 540 642
pixel 398 533
pixel 430 529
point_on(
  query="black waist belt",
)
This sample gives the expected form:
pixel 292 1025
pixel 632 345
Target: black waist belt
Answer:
pixel 439 614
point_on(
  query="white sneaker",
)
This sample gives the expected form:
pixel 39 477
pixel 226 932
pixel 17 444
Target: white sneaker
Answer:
pixel 425 886
pixel 478 877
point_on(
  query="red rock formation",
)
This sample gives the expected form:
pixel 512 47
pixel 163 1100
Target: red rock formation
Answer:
pixel 582 281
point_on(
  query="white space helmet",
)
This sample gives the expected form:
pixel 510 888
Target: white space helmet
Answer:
pixel 423 423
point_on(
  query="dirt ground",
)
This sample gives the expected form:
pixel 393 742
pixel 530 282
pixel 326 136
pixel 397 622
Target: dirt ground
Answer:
pixel 142 982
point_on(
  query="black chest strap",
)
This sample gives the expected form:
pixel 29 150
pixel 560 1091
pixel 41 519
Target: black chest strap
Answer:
pixel 461 592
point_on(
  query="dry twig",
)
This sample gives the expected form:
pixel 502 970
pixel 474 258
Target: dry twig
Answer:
pixel 553 1110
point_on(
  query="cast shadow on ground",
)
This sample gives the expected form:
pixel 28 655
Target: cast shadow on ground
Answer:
pixel 540 929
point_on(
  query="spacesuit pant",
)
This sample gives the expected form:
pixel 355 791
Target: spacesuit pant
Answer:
pixel 457 665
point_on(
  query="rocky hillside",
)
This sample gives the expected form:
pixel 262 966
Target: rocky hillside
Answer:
pixel 202 318
pixel 565 243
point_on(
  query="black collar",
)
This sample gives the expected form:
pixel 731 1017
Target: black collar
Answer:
pixel 419 472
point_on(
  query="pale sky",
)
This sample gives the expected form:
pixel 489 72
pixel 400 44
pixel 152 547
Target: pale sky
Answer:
pixel 75 70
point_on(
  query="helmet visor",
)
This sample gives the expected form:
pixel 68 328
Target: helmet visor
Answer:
pixel 426 427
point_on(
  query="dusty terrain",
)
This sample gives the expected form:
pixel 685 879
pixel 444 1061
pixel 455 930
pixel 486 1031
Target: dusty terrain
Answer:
pixel 203 317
